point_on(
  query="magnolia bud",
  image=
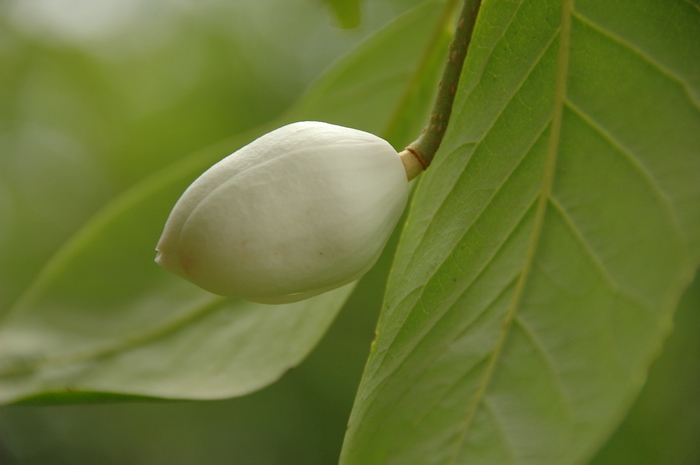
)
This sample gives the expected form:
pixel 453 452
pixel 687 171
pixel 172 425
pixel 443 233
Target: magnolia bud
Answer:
pixel 302 210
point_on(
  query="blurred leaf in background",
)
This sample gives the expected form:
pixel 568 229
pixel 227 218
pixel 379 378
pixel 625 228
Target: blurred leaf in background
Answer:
pixel 96 95
pixel 100 317
pixel 347 12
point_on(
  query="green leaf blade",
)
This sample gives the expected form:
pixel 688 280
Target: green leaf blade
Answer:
pixel 544 252
pixel 231 328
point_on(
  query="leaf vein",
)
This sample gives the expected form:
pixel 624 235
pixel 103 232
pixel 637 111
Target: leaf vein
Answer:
pixel 549 363
pixel 637 165
pixel 445 393
pixel 401 362
pixel 487 59
pixel 475 220
pixel 552 152
pixel 644 55
pixel 488 130
pixel 500 427
pixel 483 141
pixel 593 255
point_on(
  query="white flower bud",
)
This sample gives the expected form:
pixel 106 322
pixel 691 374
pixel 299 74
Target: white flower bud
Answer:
pixel 302 210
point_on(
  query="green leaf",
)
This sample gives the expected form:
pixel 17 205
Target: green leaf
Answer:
pixel 101 317
pixel 548 244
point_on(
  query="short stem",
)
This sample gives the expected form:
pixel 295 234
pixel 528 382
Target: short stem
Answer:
pixel 412 164
pixel 424 148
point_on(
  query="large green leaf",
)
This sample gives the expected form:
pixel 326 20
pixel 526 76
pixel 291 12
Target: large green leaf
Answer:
pixel 102 317
pixel 549 243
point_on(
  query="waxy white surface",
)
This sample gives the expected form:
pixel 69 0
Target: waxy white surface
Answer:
pixel 300 211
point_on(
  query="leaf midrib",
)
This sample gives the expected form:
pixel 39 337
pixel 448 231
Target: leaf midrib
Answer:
pixel 127 343
pixel 545 194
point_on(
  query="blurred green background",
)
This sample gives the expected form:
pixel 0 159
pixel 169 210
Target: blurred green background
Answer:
pixel 97 94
